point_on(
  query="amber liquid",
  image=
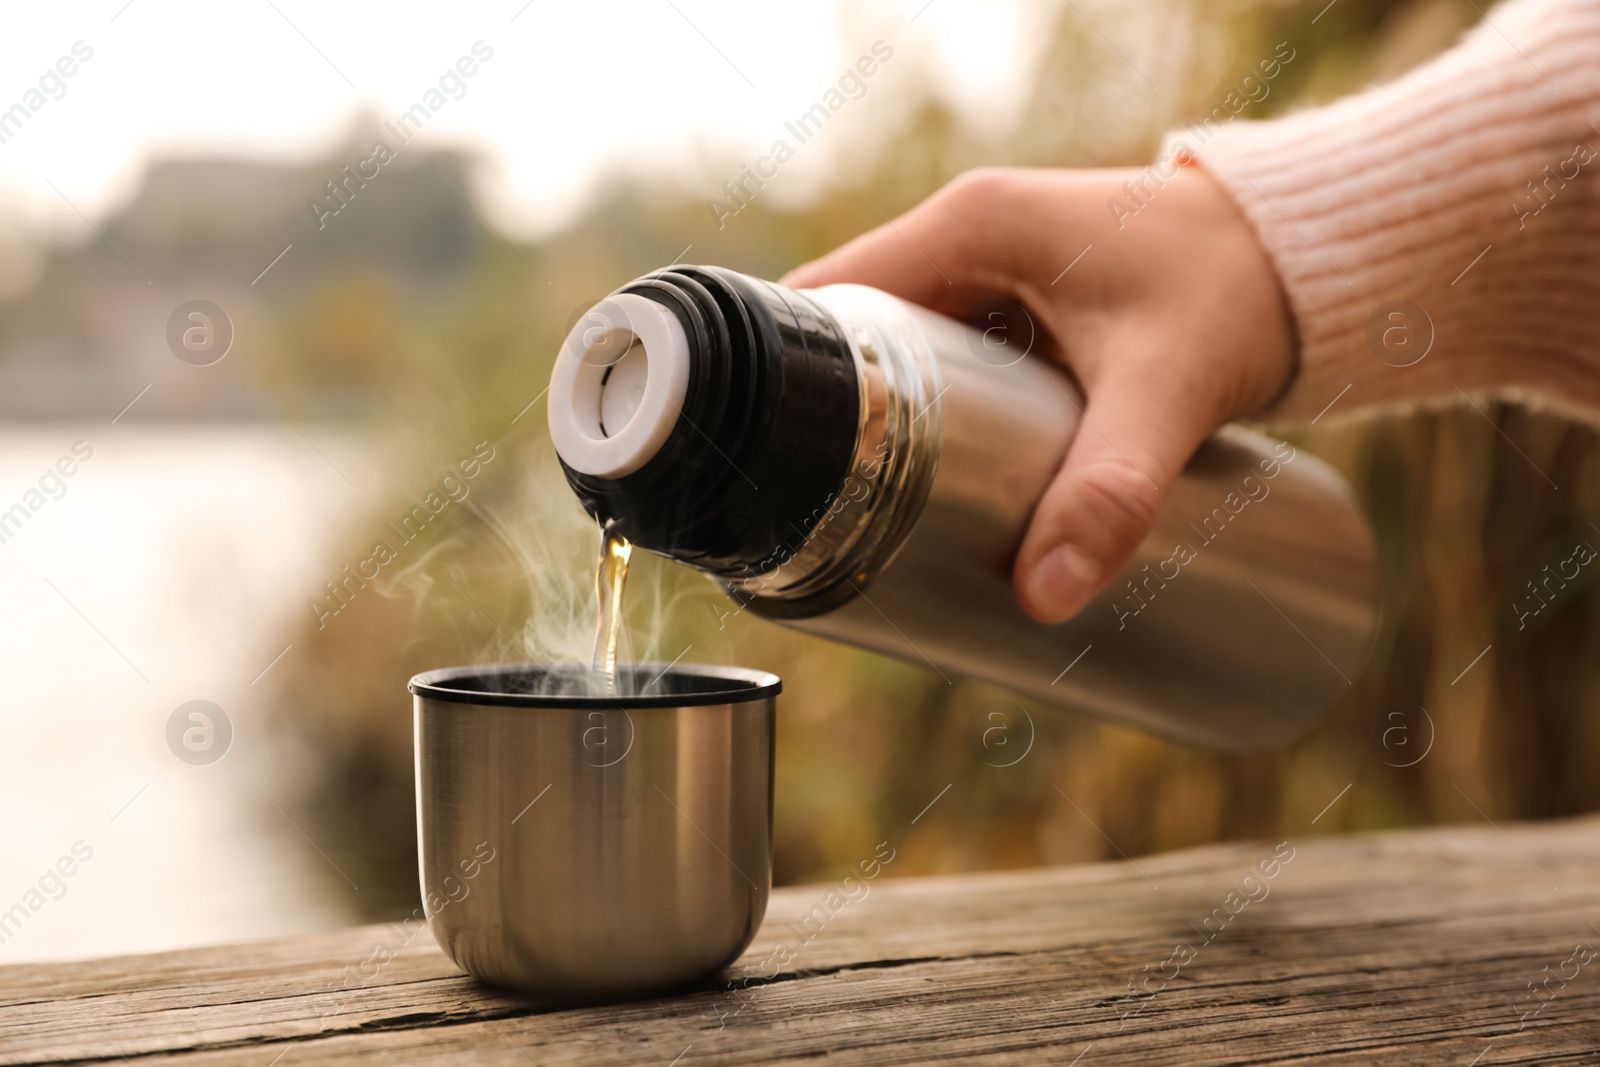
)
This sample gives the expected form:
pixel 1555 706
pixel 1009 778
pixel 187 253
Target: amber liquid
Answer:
pixel 609 578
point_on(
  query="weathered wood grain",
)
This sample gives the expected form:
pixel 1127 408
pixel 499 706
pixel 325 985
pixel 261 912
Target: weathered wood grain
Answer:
pixel 1412 947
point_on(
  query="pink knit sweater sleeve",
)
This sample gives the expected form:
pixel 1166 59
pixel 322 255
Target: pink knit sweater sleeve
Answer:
pixel 1440 232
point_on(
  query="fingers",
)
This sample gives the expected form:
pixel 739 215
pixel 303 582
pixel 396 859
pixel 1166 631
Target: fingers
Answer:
pixel 954 252
pixel 1133 441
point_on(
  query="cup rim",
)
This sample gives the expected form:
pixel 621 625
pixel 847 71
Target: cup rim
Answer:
pixel 729 685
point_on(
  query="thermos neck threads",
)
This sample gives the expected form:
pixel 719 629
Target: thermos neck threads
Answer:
pixel 762 437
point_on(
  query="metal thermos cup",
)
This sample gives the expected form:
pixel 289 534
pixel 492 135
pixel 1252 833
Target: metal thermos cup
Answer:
pixel 857 467
pixel 594 847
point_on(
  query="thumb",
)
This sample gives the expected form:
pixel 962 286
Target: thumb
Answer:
pixel 1131 442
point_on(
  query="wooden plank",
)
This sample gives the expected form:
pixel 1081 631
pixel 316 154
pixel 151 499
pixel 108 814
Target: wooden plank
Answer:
pixel 1408 947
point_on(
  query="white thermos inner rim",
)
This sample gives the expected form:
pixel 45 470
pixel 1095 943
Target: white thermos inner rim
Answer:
pixel 618 386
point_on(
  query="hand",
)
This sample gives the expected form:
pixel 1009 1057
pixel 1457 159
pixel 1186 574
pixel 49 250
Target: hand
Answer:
pixel 1173 323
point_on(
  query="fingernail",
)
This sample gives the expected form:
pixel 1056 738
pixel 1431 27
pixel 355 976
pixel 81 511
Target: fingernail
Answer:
pixel 1062 582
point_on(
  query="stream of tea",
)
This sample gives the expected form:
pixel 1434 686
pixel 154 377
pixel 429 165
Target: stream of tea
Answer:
pixel 609 578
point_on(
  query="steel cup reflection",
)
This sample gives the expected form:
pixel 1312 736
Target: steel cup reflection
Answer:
pixel 631 835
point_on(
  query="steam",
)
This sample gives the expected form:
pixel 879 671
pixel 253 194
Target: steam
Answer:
pixel 554 547
pixel 515 560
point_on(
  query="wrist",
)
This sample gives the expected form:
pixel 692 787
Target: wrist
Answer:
pixel 1260 344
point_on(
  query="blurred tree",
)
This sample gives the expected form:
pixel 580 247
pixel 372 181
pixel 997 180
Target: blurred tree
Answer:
pixel 408 310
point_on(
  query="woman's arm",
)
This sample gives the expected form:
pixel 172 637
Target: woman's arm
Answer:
pixel 1470 188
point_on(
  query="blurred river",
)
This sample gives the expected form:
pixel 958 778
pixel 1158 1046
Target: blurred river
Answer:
pixel 171 565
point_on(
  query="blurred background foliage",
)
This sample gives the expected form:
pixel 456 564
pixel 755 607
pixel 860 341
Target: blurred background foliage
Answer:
pixel 413 317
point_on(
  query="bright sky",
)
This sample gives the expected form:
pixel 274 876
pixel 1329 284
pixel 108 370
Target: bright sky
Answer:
pixel 571 87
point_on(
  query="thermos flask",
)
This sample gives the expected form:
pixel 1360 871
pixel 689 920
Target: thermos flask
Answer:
pixel 859 468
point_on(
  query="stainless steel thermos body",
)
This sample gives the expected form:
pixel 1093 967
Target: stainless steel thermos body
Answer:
pixel 1245 614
